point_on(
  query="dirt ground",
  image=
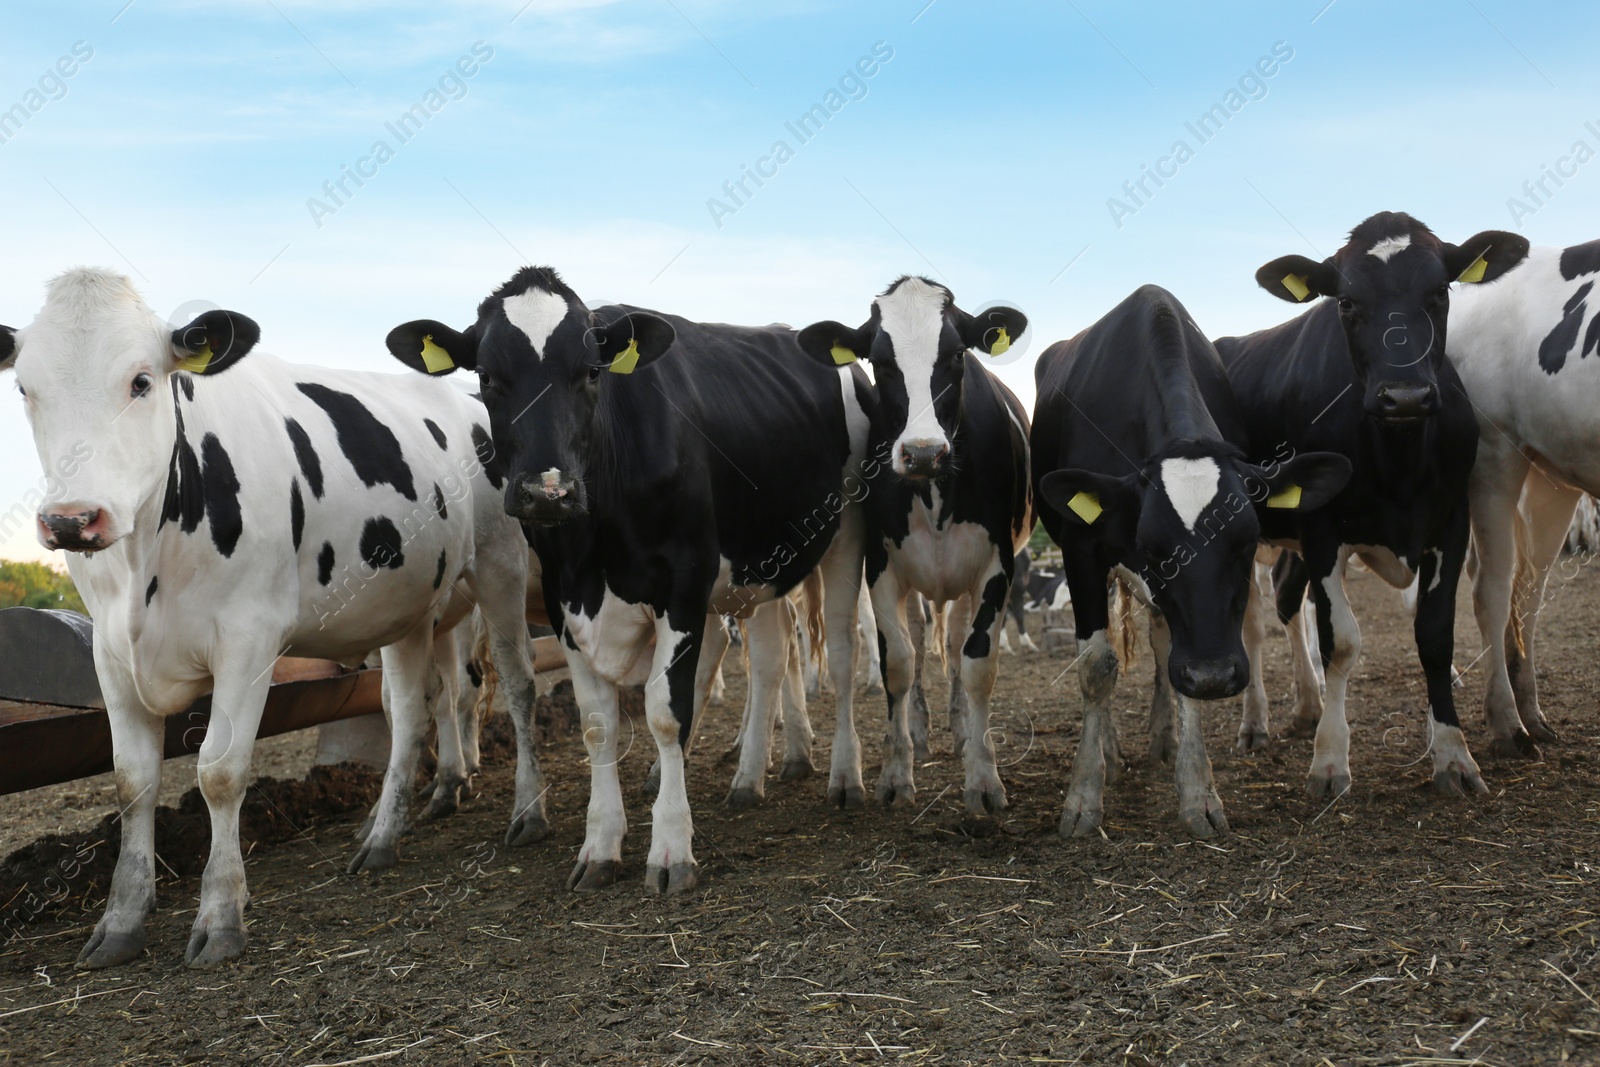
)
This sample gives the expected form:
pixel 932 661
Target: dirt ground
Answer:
pixel 1392 927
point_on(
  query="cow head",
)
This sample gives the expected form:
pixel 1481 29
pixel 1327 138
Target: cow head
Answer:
pixel 94 367
pixel 1188 522
pixel 1392 281
pixel 547 366
pixel 917 340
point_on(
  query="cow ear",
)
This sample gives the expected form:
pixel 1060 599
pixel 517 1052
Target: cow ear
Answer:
pixel 992 330
pixel 633 340
pixel 833 344
pixel 213 342
pixel 432 347
pixel 8 347
pixel 1298 279
pixel 1302 483
pixel 1086 498
pixel 1485 256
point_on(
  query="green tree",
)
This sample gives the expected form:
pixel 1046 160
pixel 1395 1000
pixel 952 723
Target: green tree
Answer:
pixel 37 585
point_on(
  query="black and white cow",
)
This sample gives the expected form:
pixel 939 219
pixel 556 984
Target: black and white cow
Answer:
pixel 1017 603
pixel 1365 374
pixel 949 507
pixel 1528 352
pixel 219 511
pixel 663 467
pixel 1140 473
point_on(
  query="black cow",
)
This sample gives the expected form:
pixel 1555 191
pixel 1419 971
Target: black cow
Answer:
pixel 1140 473
pixel 949 506
pixel 1365 375
pixel 661 467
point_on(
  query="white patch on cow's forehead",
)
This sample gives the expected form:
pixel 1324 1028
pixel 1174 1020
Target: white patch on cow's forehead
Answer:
pixel 1191 484
pixel 1387 247
pixel 913 317
pixel 537 313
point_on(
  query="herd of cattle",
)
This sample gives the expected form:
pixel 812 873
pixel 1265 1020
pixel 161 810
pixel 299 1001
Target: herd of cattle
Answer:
pixel 631 477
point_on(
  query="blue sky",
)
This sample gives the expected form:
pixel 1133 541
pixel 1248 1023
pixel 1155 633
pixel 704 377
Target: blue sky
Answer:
pixel 185 151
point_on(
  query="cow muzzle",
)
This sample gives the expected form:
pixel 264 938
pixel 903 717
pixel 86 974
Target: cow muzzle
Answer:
pixel 1211 679
pixel 547 499
pixel 75 528
pixel 919 459
pixel 1404 402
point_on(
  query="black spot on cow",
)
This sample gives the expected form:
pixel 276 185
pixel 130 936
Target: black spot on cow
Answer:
pixel 990 603
pixel 1580 260
pixel 310 463
pixel 1560 340
pixel 325 564
pixel 369 445
pixel 380 544
pixel 438 434
pixel 221 489
pixel 184 503
pixel 438 502
pixel 438 577
pixel 150 590
pixel 186 383
pixel 297 513
pixel 485 449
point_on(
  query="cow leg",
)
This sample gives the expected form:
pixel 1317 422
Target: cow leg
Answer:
pixel 1019 612
pixel 769 635
pixel 797 734
pixel 1497 479
pixel 1163 745
pixel 237 701
pixel 501 604
pixel 1309 683
pixel 958 621
pixel 600 856
pixel 1253 725
pixel 1548 507
pixel 136 742
pixel 708 676
pixel 1454 770
pixel 450 774
pixel 409 669
pixel 843 593
pixel 1199 806
pixel 669 709
pixel 1097 679
pixel 918 627
pixel 984 792
pixel 897 781
pixel 1340 638
pixel 468 715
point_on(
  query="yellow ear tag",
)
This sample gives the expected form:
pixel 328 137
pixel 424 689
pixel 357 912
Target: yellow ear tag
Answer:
pixel 1475 272
pixel 628 359
pixel 1001 343
pixel 1285 498
pixel 842 355
pixel 1297 286
pixel 196 362
pixel 1086 506
pixel 434 358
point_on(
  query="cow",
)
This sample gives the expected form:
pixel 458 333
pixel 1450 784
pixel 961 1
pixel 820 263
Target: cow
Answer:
pixel 949 505
pixel 1365 374
pixel 1016 603
pixel 1140 474
pixel 219 511
pixel 664 468
pixel 1522 347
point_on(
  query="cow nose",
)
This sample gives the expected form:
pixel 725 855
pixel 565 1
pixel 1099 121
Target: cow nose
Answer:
pixel 1406 400
pixel 1210 680
pixel 547 498
pixel 922 460
pixel 71 526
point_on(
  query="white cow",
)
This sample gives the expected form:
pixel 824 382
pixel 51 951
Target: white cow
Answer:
pixel 1527 348
pixel 218 512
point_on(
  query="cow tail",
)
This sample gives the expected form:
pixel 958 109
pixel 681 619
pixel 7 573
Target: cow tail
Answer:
pixel 939 632
pixel 1124 641
pixel 815 631
pixel 485 666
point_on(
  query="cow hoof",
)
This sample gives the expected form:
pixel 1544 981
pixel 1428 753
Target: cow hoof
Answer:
pixel 1455 781
pixel 987 799
pixel 364 831
pixel 1301 726
pixel 891 792
pixel 211 946
pixel 1252 740
pixel 796 769
pixel 1080 822
pixel 1518 746
pixel 1203 823
pixel 373 858
pixel 742 798
pixel 441 806
pixel 111 950
pixel 670 881
pixel 847 797
pixel 1328 784
pixel 1541 731
pixel 526 829
pixel 920 752
pixel 588 877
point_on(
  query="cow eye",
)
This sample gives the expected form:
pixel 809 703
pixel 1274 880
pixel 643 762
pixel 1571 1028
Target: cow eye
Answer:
pixel 141 385
pixel 1346 305
pixel 594 374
